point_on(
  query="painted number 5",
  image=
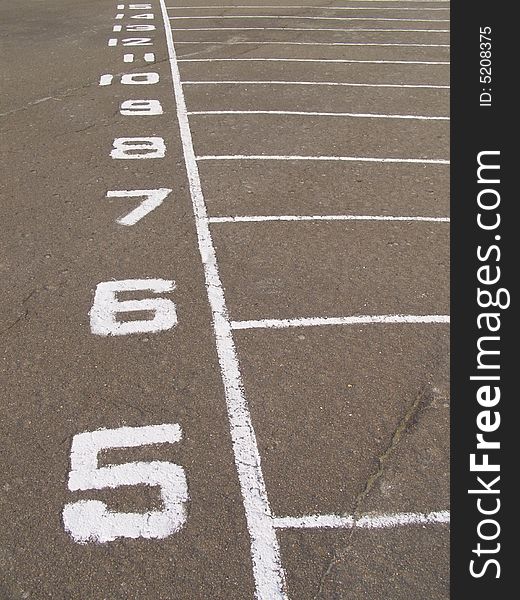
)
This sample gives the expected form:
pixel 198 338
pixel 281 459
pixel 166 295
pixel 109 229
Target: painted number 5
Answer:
pixel 90 520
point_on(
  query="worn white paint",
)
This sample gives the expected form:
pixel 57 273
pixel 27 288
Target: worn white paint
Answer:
pixel 142 6
pixel 112 42
pixel 267 568
pixel 137 41
pixel 302 113
pixel 329 83
pixel 151 200
pixel 137 148
pixel 353 320
pixel 90 520
pixel 266 218
pixel 350 29
pixel 148 57
pixel 106 307
pixel 277 42
pixel 140 78
pixel 294 6
pixel 120 16
pixel 319 60
pixel 117 28
pixel 369 521
pixel 299 17
pixel 420 161
pixel 106 79
pixel 149 16
pixel 141 108
pixel 140 27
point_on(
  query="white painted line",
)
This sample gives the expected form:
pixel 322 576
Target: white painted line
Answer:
pixel 332 83
pixel 363 44
pixel 294 6
pixel 318 60
pixel 316 114
pixel 351 29
pixel 299 18
pixel 420 161
pixel 374 521
pixel 265 218
pixel 304 6
pixel 352 320
pixel 265 552
pixel 398 8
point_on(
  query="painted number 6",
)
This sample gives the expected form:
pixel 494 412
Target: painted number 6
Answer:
pixel 90 520
pixel 106 307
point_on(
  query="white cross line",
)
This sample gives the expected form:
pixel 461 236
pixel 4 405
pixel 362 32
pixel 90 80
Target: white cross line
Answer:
pixel 330 83
pixel 265 553
pixel 421 161
pixel 350 29
pixel 218 17
pixel 268 218
pixel 319 60
pixel 299 113
pixel 313 43
pixel 371 521
pixel 352 320
pixel 292 7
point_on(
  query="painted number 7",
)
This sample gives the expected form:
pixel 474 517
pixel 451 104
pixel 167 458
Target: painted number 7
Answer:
pixel 90 520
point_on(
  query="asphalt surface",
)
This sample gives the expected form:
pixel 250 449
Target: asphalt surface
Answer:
pixel 349 420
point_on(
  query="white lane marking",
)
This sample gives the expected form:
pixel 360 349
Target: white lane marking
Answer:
pixel 352 320
pixel 90 520
pixel 371 521
pixel 350 29
pixel 321 7
pixel 301 113
pixel 152 199
pixel 218 17
pixel 420 161
pixel 265 552
pixel 293 6
pixel 314 44
pixel 106 307
pixel 318 60
pixel 266 218
pixel 331 83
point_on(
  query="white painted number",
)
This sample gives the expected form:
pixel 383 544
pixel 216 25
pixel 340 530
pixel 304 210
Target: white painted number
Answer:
pixel 138 148
pixel 141 107
pixel 90 520
pixel 152 199
pixel 106 307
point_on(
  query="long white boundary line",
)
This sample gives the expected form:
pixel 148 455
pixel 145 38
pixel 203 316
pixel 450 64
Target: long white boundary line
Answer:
pixel 331 83
pixel 301 113
pixel 375 521
pixel 268 218
pixel 294 6
pixel 363 44
pixel 332 7
pixel 218 17
pixel 350 29
pixel 265 552
pixel 318 60
pixel 352 320
pixel 420 161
